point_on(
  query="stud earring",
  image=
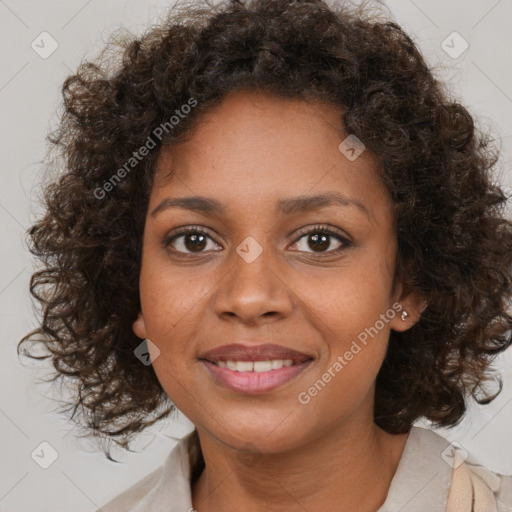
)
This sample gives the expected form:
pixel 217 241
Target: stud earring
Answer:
pixel 404 315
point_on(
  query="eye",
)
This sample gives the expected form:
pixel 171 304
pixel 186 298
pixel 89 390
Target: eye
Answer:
pixel 194 239
pixel 188 241
pixel 319 239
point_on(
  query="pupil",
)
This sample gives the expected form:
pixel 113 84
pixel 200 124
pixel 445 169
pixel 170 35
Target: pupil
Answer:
pixel 319 241
pixel 195 241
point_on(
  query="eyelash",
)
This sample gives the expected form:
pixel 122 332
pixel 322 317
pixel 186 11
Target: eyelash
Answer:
pixel 318 229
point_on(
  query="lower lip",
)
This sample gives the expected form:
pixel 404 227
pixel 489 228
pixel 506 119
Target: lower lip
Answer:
pixel 254 382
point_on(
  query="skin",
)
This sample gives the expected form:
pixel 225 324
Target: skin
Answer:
pixel 269 452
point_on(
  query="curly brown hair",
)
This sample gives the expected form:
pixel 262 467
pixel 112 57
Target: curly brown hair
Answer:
pixel 454 241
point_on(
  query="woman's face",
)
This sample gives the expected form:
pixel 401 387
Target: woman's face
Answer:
pixel 254 278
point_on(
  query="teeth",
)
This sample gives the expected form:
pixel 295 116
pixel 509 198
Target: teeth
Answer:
pixel 244 366
pixel 256 366
pixel 262 366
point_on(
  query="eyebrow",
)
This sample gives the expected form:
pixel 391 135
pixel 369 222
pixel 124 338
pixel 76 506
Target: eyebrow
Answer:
pixel 288 206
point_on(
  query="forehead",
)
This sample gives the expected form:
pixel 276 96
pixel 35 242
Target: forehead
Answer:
pixel 256 148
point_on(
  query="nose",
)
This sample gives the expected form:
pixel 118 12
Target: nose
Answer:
pixel 252 290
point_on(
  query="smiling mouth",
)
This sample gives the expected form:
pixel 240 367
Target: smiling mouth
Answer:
pixel 254 377
pixel 255 366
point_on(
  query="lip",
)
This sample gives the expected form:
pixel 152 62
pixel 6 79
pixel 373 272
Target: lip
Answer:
pixel 253 383
pixel 262 352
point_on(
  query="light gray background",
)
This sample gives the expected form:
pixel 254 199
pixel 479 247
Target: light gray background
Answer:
pixel 81 479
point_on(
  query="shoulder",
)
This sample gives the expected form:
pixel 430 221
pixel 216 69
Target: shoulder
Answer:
pixel 125 501
pixel 473 483
pixel 169 484
pixel 504 494
pixel 435 475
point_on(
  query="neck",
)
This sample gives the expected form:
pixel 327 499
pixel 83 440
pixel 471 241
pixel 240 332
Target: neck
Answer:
pixel 337 471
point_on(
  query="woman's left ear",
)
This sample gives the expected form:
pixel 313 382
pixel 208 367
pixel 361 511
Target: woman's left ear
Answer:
pixel 139 327
pixel 409 308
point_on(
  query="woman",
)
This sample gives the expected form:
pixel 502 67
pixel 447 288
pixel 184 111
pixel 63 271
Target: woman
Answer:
pixel 281 202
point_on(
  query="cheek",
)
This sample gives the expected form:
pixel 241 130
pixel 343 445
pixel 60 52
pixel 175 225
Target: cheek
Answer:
pixel 348 302
pixel 356 341
pixel 171 300
pixel 173 304
pixel 350 312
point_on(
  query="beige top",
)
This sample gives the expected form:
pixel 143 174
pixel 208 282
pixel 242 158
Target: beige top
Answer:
pixel 421 482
